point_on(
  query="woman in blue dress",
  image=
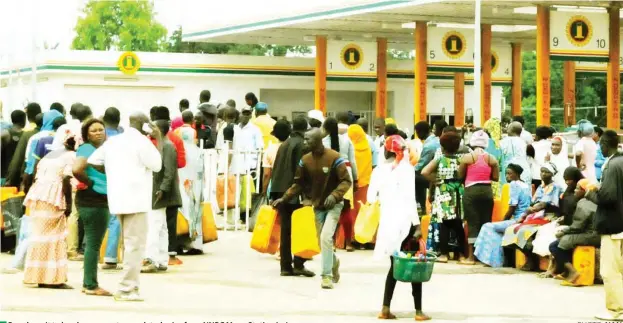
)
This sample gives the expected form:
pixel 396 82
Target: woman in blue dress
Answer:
pixel 488 245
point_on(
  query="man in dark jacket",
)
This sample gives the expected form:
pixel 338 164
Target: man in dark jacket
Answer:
pixel 323 179
pixel 284 168
pixel 17 166
pixel 609 224
pixel 166 194
pixel 161 113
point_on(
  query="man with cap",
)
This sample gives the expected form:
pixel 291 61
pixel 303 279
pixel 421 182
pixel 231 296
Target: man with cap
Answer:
pixel 209 111
pixel 265 123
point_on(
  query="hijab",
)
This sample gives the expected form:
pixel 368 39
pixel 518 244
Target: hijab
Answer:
pixel 363 154
pixel 561 161
pixel 48 120
pixel 494 128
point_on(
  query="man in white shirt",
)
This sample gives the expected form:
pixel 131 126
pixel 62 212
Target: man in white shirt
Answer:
pixel 250 139
pixel 525 135
pixel 129 159
pixel 542 147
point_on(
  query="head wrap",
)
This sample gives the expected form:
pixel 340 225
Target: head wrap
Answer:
pixel 550 167
pixel 315 114
pixel 396 145
pixel 585 128
pixel 389 121
pixel 573 174
pixel 515 168
pixel 261 107
pixel 479 139
pixel 586 184
pixel 494 128
pixel 48 119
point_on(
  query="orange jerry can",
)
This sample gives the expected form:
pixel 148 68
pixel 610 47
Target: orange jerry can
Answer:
pixel 584 263
pixel 267 231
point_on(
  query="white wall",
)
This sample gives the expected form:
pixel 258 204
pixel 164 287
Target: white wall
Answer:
pixel 103 88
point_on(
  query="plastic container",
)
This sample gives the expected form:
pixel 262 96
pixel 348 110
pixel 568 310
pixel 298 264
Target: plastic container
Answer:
pixel 584 263
pixel 414 269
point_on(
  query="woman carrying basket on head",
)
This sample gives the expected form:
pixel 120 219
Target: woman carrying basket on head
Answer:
pixel 392 185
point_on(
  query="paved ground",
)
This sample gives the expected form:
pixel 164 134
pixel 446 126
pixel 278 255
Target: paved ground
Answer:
pixel 233 283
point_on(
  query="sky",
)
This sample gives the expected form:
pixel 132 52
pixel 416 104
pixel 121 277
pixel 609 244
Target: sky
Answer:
pixel 53 21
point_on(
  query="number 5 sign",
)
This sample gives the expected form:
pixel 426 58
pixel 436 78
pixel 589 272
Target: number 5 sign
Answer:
pixel 579 36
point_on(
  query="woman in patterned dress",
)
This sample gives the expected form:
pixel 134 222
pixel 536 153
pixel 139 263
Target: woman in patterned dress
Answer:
pixel 445 194
pixel 544 208
pixel 488 246
pixel 49 200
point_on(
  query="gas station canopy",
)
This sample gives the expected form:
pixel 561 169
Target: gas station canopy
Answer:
pixel 357 20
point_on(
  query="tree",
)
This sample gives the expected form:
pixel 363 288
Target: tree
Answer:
pixel 176 45
pixel 120 25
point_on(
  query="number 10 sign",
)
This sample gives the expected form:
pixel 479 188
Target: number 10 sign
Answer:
pixel 579 36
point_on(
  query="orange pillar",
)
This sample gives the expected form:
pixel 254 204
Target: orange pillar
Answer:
pixel 419 89
pixel 320 81
pixel 542 66
pixel 614 96
pixel 569 93
pixel 459 99
pixel 381 77
pixel 516 87
pixel 485 88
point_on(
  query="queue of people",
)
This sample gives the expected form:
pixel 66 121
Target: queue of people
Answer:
pixel 78 177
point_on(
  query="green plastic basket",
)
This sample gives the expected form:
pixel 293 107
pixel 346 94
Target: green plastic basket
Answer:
pixel 413 270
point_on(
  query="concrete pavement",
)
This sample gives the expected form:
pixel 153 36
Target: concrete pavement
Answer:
pixel 233 283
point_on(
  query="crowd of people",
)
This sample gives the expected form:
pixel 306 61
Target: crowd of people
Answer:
pixel 88 176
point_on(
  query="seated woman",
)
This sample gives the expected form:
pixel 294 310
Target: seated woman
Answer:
pixel 580 233
pixel 545 206
pixel 547 233
pixel 488 246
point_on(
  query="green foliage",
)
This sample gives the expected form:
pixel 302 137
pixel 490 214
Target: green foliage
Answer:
pixel 399 54
pixel 590 92
pixel 121 25
pixel 176 45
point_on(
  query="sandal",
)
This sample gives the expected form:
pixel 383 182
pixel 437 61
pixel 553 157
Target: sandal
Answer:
pixel 97 292
pixel 569 284
pixel 546 274
pixel 442 259
pixel 559 277
pixel 422 317
pixel 464 261
pixel 386 316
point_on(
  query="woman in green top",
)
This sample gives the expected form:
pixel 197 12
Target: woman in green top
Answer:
pixel 445 195
pixel 92 203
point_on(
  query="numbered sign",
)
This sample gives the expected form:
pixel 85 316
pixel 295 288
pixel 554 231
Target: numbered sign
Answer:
pixel 579 35
pixel 351 58
pixel 501 64
pixel 450 49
